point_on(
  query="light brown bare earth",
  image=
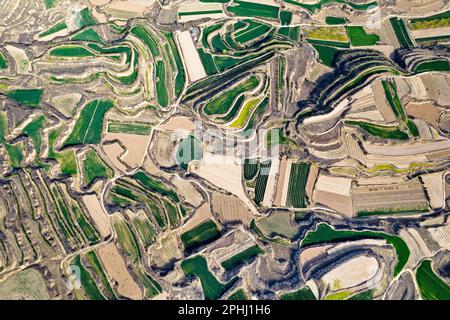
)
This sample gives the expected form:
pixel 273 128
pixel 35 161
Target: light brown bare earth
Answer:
pixel 115 267
pixel 98 215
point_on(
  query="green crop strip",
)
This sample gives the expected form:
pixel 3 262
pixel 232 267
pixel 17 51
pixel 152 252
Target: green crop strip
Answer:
pixel 359 37
pixel 296 196
pixel 251 9
pixel 94 168
pixel 212 288
pixel 385 132
pixel 431 286
pixel 401 32
pixel 201 234
pixel 326 234
pixel 242 256
pixel 88 128
pixel 28 97
pixel 221 104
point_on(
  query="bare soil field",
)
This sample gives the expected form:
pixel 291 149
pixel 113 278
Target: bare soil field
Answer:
pixel 402 196
pixel 135 145
pixel 441 235
pixel 230 208
pixel 115 267
pixel 313 253
pixel 428 33
pixel 417 246
pixel 269 193
pixel 190 55
pixel 114 152
pixel 434 184
pixel 419 7
pixel 438 88
pixel 282 183
pixel 224 172
pixel 178 123
pixel 98 215
pixel 128 9
pixel 406 149
pixel 381 102
pixel 312 178
pixel 165 250
pixel 426 111
pixel 334 192
pixel 201 214
pixel 24 285
pixel 163 148
pixel 346 275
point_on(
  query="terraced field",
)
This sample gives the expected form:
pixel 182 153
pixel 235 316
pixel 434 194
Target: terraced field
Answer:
pixel 224 149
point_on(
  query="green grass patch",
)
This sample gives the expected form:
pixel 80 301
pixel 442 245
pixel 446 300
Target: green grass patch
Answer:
pixel 342 295
pixel 54 29
pixel 433 65
pixel 296 196
pixel 94 168
pixel 301 294
pixel 28 97
pixel 127 240
pixel 365 295
pixel 15 154
pixel 251 9
pixel 161 91
pixel 239 294
pixel 84 18
pixel 33 130
pixel 189 149
pixel 401 32
pixel 327 54
pixel 285 17
pixel 212 288
pixel 242 256
pixel 222 103
pixel 89 125
pixel 291 33
pixel 155 186
pixel 245 113
pixel 234 109
pixel 144 229
pixel 172 213
pixel 145 36
pixel 275 137
pixel 251 167
pixel 385 132
pixel 71 51
pixel 88 283
pixel 49 3
pixel 201 234
pixel 431 286
pixel 359 37
pixel 208 62
pixel 88 34
pixel 180 79
pixel 433 39
pixel 3 61
pixel 95 264
pixel 335 20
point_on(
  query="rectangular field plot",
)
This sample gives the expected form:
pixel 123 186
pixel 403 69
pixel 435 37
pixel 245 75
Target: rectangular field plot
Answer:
pixel 89 125
pixel 203 233
pixel 297 182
